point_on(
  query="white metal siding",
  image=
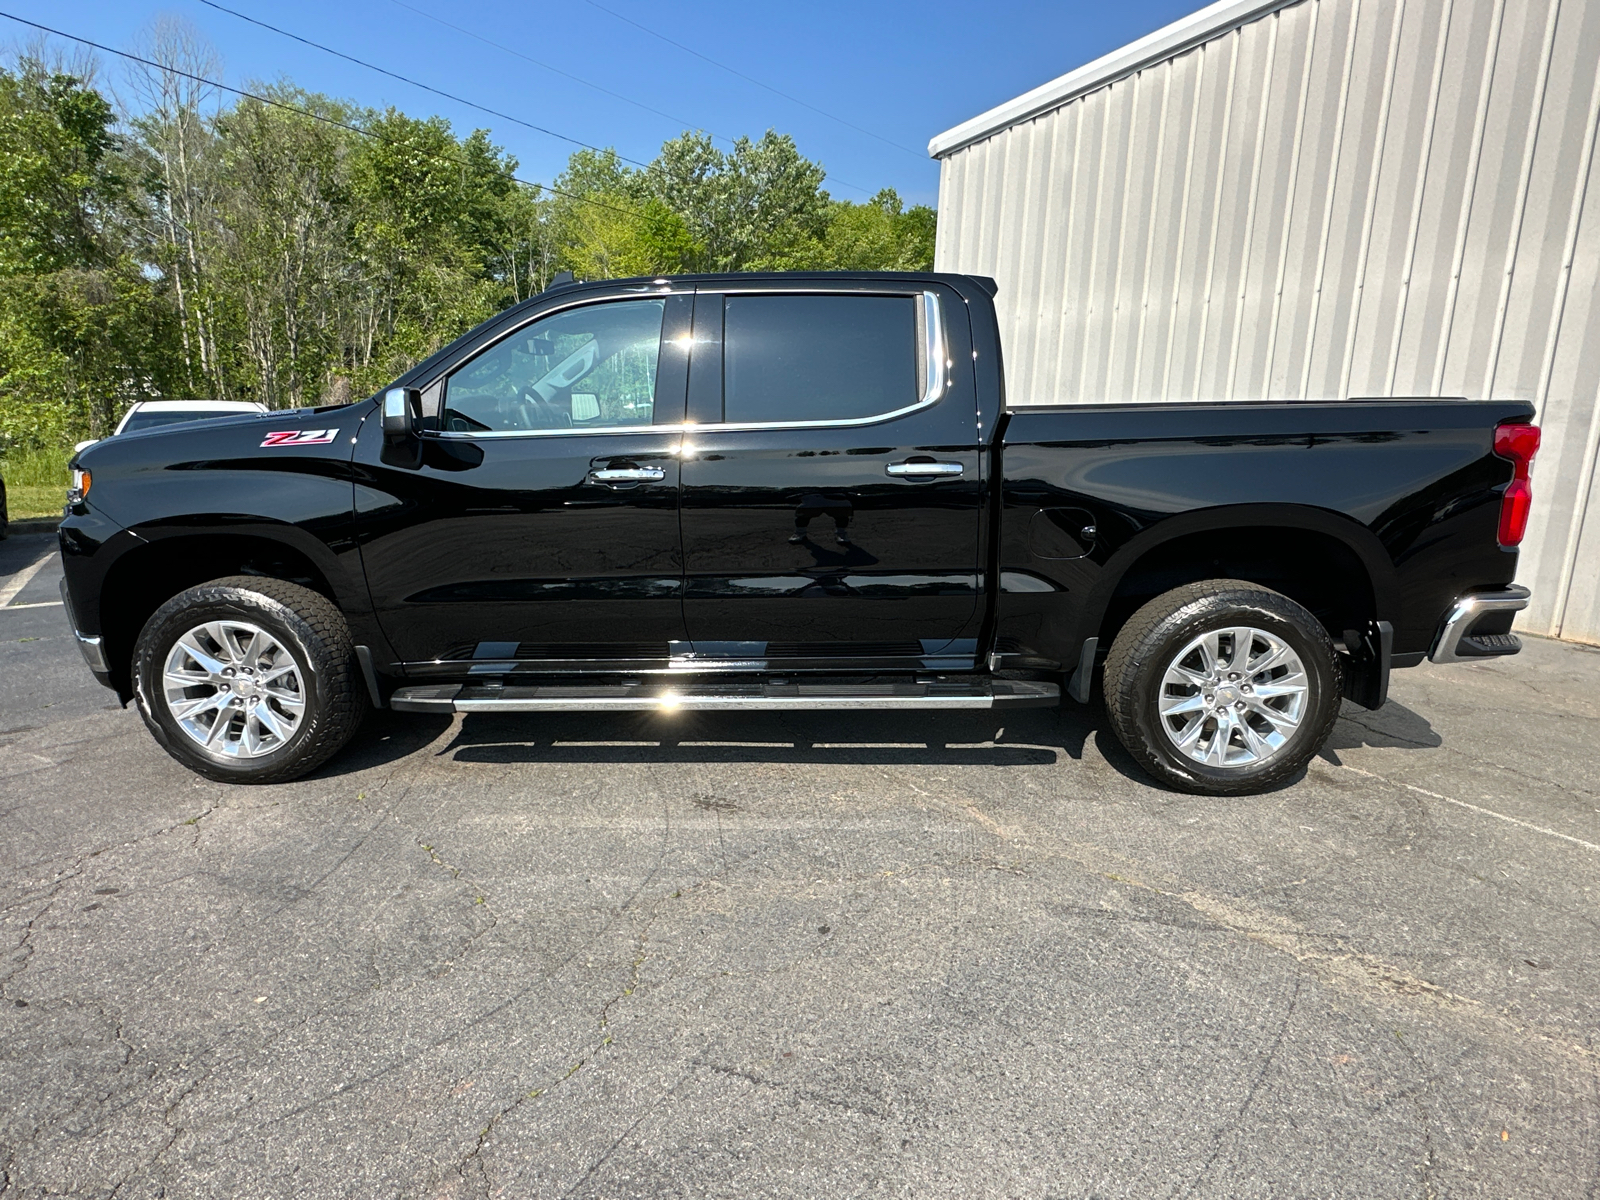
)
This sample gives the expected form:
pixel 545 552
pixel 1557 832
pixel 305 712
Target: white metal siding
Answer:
pixel 1340 198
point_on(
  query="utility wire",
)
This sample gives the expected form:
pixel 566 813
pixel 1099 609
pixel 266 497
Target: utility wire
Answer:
pixel 586 83
pixel 679 121
pixel 748 79
pixel 315 116
pixel 305 41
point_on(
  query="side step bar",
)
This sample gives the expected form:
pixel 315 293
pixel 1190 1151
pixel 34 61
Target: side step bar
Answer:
pixel 724 697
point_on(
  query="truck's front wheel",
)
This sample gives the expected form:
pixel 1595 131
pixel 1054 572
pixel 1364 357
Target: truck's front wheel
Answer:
pixel 248 680
pixel 1222 687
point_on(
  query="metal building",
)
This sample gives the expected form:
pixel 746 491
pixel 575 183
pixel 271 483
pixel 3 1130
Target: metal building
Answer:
pixel 1314 199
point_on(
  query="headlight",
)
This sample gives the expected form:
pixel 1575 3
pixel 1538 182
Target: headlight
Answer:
pixel 80 486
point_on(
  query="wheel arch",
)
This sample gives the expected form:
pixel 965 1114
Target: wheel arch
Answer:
pixel 1329 563
pixel 163 563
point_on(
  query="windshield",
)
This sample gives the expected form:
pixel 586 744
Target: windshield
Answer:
pixel 143 420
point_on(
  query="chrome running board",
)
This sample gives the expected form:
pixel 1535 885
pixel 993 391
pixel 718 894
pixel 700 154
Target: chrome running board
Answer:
pixel 778 695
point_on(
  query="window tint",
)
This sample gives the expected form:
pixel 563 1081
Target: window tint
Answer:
pixel 818 358
pixel 587 368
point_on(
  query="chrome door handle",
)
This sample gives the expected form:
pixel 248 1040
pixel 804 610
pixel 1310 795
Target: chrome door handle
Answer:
pixel 627 474
pixel 924 470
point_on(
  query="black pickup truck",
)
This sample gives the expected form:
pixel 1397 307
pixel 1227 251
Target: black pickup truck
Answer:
pixel 797 491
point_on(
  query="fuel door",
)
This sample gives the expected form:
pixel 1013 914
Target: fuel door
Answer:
pixel 1061 533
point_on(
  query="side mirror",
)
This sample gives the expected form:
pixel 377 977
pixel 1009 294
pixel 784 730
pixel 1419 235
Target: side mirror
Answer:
pixel 400 407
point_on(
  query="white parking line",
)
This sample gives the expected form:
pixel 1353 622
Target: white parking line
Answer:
pixel 1487 812
pixel 35 604
pixel 21 580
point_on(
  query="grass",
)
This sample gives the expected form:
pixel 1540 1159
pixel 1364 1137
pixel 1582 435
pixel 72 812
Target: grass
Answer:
pixel 36 482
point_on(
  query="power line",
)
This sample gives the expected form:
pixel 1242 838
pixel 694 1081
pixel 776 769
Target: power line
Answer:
pixel 315 116
pixel 749 79
pixel 556 70
pixel 305 41
pixel 579 79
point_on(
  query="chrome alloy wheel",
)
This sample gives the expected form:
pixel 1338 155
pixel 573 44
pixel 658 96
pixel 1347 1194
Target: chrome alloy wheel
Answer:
pixel 1233 697
pixel 234 689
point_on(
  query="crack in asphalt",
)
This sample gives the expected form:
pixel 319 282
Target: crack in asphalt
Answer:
pixel 1329 957
pixel 195 1084
pixel 1339 963
pixel 479 892
pixel 25 947
pixel 1466 804
pixel 473 1156
pixel 595 1166
pixel 1424 1096
pixel 1237 1119
pixel 594 1047
pixel 790 1089
pixel 1357 721
pixel 75 861
pixel 493 1010
pixel 177 1132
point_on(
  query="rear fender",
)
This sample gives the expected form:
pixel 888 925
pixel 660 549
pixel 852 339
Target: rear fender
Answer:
pixel 1064 637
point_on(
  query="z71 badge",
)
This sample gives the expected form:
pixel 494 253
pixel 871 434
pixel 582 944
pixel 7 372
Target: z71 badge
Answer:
pixel 299 437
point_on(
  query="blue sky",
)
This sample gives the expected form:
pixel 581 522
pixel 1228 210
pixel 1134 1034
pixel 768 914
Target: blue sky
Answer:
pixel 896 72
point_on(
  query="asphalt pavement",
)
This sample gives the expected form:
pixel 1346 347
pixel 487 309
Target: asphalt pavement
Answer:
pixel 799 955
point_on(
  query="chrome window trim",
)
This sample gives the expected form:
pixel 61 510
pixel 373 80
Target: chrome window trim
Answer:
pixel 457 435
pixel 442 379
pixel 643 293
pixel 935 350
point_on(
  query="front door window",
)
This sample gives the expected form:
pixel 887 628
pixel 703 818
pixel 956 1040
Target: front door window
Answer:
pixel 588 368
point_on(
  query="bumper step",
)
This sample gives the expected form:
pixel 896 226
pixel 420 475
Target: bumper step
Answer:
pixel 1459 639
pixel 727 697
pixel 1488 645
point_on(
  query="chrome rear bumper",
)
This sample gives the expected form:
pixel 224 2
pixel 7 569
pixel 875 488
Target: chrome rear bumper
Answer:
pixel 1455 643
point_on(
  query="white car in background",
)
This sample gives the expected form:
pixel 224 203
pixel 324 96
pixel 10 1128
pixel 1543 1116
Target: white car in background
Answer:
pixel 148 414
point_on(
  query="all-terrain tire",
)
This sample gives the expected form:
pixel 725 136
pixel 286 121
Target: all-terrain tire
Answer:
pixel 1146 647
pixel 306 625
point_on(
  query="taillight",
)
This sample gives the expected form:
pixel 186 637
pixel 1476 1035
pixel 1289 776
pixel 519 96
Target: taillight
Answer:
pixel 1519 443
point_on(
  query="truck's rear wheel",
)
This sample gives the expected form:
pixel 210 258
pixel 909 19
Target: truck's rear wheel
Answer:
pixel 248 680
pixel 1222 687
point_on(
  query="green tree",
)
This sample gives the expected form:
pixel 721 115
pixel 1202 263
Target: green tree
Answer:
pixel 297 249
pixel 880 235
pixel 425 213
pixel 83 330
pixel 175 152
pixel 282 259
pixel 609 225
pixel 758 207
pixel 614 238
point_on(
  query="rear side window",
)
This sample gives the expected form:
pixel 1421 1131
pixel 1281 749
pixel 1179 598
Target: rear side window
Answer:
pixel 818 358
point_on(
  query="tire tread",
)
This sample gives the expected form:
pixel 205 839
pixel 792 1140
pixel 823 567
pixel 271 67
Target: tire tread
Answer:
pixel 334 663
pixel 1133 642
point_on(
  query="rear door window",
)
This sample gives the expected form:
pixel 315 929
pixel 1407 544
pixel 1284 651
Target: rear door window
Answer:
pixel 586 368
pixel 818 358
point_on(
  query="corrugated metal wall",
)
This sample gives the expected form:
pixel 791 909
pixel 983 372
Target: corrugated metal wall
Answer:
pixel 1342 198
